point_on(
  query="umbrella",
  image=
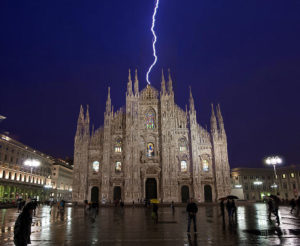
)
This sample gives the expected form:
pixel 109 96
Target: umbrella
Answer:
pixel 154 201
pixel 232 197
pixel 274 197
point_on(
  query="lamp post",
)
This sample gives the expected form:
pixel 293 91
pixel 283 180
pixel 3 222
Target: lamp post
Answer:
pixel 258 183
pixel 274 160
pixel 32 163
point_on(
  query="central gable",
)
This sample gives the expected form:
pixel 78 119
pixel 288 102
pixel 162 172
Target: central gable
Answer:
pixel 149 92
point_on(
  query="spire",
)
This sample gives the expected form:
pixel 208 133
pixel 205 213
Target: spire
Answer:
pixel 220 118
pixel 219 114
pixel 163 83
pixel 213 120
pixel 170 83
pixel 87 121
pixel 136 83
pixel 192 105
pixel 81 116
pixel 108 101
pixel 129 83
pixel 93 129
pixel 87 115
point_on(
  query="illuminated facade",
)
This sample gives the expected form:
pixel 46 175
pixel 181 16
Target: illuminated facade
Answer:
pixel 19 180
pixel 150 148
pixel 61 180
pixel 258 183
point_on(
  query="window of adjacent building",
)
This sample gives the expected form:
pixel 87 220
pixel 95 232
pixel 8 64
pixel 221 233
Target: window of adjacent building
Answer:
pixel 251 177
pixel 252 187
pixel 183 166
pixel 150 149
pixel 96 166
pixel 150 119
pixel 283 176
pixel 5 157
pixel 118 167
pixel 284 186
pixel 182 145
pixel 246 186
pixel 245 177
pixel 292 175
pixel 236 177
pixel 294 186
pixel 11 159
pixel 263 177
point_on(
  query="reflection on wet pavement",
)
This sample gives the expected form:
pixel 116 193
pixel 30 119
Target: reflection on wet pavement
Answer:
pixel 134 226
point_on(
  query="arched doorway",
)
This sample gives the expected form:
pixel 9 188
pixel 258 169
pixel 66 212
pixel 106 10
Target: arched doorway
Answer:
pixel 117 193
pixel 207 193
pixel 185 193
pixel 151 188
pixel 95 194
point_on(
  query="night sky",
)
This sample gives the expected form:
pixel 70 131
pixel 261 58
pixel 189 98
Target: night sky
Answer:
pixel 245 55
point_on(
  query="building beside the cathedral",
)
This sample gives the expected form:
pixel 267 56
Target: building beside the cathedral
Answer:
pixel 150 148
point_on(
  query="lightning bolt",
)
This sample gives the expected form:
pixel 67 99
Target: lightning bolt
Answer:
pixel 153 42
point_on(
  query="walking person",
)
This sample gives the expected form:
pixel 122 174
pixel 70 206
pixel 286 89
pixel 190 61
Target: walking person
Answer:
pixel 270 208
pixel 298 205
pixel 172 207
pixel 155 213
pixel 229 210
pixel 276 208
pixel 86 207
pixel 222 208
pixel 22 228
pixel 192 210
pixel 20 205
pixel 293 205
pixel 233 208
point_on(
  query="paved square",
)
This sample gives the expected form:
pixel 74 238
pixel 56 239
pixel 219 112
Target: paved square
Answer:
pixel 134 226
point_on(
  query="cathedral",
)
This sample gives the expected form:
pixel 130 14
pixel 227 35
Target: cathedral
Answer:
pixel 150 148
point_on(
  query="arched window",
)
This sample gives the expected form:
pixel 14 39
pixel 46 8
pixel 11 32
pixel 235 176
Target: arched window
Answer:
pixel 183 166
pixel 96 165
pixel 150 149
pixel 118 167
pixel 205 166
pixel 118 145
pixel 182 145
pixel 150 119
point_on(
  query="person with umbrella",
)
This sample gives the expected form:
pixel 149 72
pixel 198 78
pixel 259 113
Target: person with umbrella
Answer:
pixel 222 208
pixel 154 210
pixel 273 204
pixel 22 228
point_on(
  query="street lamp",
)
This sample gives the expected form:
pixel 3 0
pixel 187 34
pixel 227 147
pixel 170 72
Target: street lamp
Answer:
pixel 274 186
pixel 274 160
pixel 32 163
pixel 257 182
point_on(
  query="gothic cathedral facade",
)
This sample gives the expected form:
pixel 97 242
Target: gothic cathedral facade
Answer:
pixel 150 148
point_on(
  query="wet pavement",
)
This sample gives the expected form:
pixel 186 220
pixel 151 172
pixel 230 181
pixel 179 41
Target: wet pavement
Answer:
pixel 134 226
